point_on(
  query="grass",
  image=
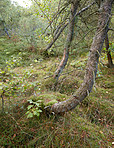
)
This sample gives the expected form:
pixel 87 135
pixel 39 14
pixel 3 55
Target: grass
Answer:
pixel 89 125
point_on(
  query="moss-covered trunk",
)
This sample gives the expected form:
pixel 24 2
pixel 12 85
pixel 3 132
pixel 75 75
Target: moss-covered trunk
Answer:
pixel 92 64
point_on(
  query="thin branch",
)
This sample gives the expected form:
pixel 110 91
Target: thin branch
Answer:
pixel 110 29
pixel 60 31
pixel 85 35
pixel 55 17
pixel 56 37
pixel 83 9
pixel 50 24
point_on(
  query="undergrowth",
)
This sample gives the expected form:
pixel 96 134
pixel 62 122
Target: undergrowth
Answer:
pixel 90 124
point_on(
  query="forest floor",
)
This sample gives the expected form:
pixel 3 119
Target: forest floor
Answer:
pixel 25 77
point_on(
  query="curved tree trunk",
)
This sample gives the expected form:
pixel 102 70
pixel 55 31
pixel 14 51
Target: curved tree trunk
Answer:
pixel 74 6
pixel 92 64
pixel 110 62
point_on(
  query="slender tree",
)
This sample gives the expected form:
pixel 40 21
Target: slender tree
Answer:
pixel 74 6
pixel 110 62
pixel 92 64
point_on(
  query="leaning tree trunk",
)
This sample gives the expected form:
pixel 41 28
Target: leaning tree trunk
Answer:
pixel 74 6
pixel 92 64
pixel 110 62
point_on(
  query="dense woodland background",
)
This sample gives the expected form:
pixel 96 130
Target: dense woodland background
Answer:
pixel 35 44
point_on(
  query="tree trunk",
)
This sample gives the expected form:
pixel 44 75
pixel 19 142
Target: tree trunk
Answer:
pixel 74 6
pixel 110 62
pixel 92 64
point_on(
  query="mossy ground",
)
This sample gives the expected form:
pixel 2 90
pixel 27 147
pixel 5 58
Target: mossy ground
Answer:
pixel 88 125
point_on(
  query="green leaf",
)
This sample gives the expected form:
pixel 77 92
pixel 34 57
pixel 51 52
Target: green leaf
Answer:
pixel 1 91
pixel 30 101
pixel 38 114
pixel 39 110
pixel 37 104
pixel 30 106
pixel 30 115
pixel 35 112
pixel 35 61
pixel 27 112
pixel 7 52
pixel 39 101
pixel 1 87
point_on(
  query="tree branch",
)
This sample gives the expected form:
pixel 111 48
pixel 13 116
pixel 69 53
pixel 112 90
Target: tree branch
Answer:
pixel 110 29
pixel 60 30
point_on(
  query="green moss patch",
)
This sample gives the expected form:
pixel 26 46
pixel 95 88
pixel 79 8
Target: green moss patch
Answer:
pixel 51 98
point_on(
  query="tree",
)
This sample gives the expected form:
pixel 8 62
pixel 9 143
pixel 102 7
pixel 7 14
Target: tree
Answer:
pixel 92 64
pixel 59 29
pixel 3 7
pixel 110 62
pixel 74 6
pixel 9 15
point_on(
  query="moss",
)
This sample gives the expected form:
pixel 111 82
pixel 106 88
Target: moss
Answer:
pixel 67 85
pixel 49 98
pixel 61 97
pixel 109 84
pixel 79 63
pixel 48 84
pixel 98 109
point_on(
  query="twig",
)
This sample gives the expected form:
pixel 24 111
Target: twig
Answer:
pixel 60 31
pixel 55 17
pixel 110 29
pixel 50 23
